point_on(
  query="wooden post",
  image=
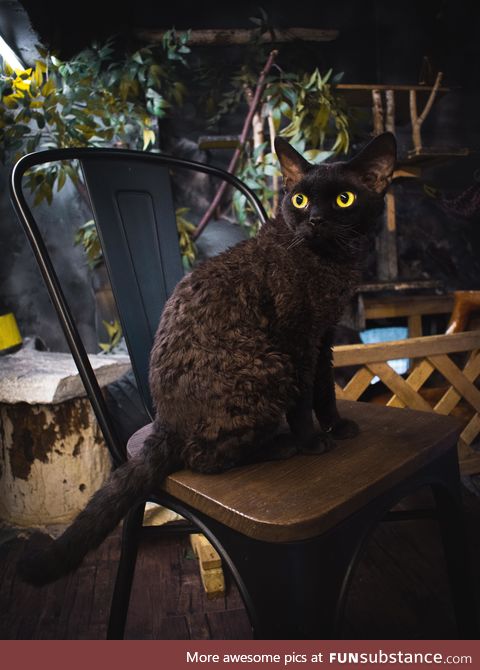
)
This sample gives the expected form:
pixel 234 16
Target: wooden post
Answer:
pixel 377 112
pixel 387 263
pixel 390 119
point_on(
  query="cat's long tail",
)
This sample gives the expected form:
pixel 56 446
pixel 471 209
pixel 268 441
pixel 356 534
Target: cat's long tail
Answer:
pixel 46 559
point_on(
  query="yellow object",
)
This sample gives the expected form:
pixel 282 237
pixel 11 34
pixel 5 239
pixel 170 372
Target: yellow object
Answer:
pixel 345 199
pixel 9 334
pixel 299 200
pixel 210 563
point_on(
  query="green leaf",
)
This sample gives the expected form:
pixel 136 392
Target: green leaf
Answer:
pixel 39 196
pixel 40 120
pixel 271 171
pixel 62 177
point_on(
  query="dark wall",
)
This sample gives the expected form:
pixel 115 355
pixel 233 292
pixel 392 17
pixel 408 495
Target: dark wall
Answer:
pixel 380 40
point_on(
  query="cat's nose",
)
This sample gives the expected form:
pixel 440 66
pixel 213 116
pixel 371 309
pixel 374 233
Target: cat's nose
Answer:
pixel 316 221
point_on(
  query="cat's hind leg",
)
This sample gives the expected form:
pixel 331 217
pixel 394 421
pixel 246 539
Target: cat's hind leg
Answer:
pixel 240 446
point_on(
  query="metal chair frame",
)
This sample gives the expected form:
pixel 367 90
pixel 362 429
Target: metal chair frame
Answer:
pixel 86 158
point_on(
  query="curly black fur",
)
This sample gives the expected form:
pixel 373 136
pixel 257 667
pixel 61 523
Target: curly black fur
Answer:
pixel 245 340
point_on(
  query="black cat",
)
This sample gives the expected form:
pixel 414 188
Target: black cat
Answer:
pixel 245 340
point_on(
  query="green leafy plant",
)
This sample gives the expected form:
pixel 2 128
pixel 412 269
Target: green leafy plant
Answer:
pixel 185 231
pixel 87 237
pixel 92 100
pixel 317 117
pixel 114 334
pixel 302 108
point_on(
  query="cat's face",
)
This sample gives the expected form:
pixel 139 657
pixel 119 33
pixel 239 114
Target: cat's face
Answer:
pixel 330 206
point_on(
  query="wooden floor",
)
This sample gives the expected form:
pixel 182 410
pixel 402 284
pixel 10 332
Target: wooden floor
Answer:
pixel 399 591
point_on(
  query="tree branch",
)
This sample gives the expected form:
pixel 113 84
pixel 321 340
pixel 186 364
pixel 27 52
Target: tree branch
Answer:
pixel 431 98
pixel 241 143
pixel 418 120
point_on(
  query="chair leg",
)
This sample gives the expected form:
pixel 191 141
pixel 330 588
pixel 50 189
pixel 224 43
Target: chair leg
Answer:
pixel 132 526
pixel 291 590
pixel 452 527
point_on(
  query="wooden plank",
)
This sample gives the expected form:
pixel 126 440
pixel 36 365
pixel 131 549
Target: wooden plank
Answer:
pixel 226 36
pixel 213 582
pixel 389 87
pixel 470 431
pixel 399 387
pixel 457 379
pixel 438 152
pixel 468 458
pixel 210 565
pixel 387 264
pixel 218 141
pixel 229 625
pixel 416 379
pixel 357 384
pixel 452 397
pixel 414 330
pixel 205 552
pixel 415 325
pixel 399 285
pixel 394 306
pixel 417 347
pixel 339 392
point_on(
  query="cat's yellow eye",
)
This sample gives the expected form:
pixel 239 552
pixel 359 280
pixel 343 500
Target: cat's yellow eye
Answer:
pixel 299 200
pixel 345 199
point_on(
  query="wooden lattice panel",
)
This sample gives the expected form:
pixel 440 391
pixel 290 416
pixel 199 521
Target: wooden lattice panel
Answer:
pixel 432 355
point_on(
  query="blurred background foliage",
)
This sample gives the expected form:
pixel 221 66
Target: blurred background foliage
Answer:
pixel 98 99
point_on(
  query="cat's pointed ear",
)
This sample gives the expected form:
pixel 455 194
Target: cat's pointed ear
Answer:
pixel 375 164
pixel 293 165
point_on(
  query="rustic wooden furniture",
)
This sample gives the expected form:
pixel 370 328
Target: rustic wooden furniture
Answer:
pixel 432 357
pixel 291 532
pixel 410 307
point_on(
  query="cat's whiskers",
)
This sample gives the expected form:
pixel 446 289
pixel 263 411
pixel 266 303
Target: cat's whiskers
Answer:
pixel 348 244
pixel 297 239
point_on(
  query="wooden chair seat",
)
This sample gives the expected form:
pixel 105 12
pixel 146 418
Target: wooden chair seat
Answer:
pixel 298 498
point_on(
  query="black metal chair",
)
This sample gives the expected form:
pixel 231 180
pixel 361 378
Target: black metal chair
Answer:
pixel 292 555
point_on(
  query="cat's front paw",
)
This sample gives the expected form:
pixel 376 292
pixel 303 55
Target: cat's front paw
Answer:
pixel 344 429
pixel 318 443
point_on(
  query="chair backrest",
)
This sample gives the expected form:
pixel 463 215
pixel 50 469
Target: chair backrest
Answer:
pixel 132 203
